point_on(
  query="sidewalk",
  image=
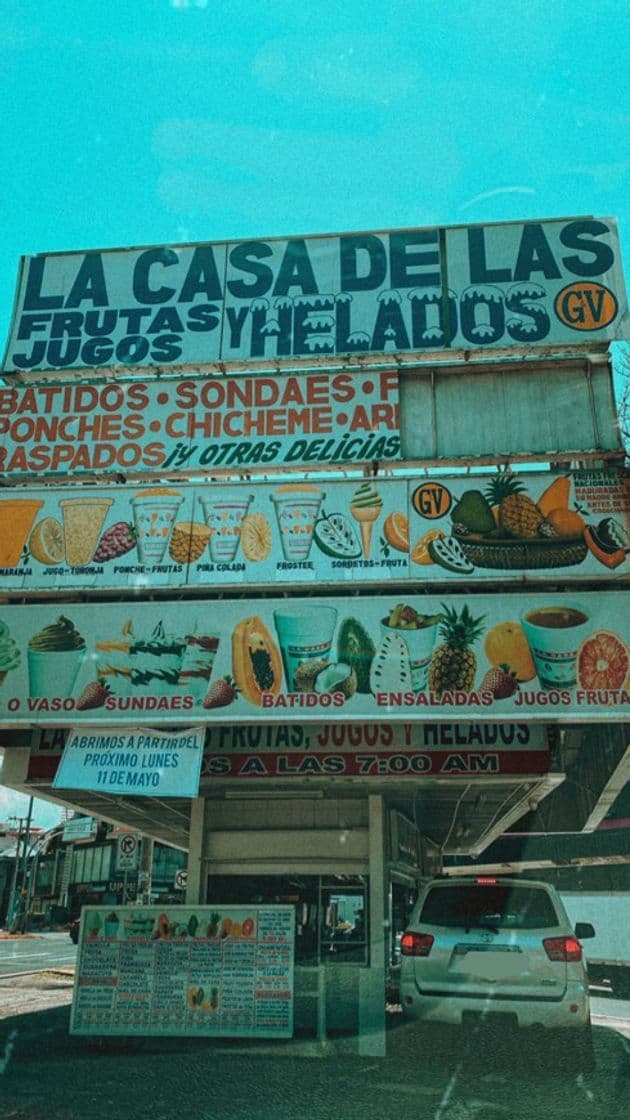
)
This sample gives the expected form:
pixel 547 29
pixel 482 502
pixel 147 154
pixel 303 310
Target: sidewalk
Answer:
pixel 42 991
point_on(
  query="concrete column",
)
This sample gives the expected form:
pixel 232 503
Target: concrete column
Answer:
pixel 196 884
pixel 372 1039
pixel 145 871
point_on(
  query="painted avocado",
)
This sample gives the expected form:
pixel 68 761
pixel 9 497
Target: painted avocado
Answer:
pixel 474 512
pixel 356 649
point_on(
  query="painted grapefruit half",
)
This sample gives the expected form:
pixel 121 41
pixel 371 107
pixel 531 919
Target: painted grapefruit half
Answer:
pixel 603 661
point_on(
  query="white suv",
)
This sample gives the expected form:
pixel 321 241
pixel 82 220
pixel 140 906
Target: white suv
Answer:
pixel 497 950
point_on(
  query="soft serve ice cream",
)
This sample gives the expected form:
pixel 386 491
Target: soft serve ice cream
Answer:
pixel 10 656
pixel 54 659
pixel 365 508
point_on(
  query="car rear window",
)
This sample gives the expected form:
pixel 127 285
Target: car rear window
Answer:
pixel 502 907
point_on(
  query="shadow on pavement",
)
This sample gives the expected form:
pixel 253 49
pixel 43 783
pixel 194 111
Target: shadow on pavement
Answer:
pixel 428 1075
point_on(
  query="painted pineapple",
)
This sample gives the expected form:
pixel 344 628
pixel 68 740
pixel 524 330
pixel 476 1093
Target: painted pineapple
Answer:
pixel 453 664
pixel 518 515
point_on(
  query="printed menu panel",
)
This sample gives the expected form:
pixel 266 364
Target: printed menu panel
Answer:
pixel 201 970
pixel 508 526
pixel 505 658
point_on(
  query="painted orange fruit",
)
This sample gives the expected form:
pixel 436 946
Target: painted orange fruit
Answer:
pixel 506 644
pixel 556 496
pixel 396 530
pixel 47 543
pixel 603 661
pixel 566 522
pixel 420 550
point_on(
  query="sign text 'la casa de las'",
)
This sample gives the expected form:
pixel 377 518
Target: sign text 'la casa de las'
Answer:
pixel 403 291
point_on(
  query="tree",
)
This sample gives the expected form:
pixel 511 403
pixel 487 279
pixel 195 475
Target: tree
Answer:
pixel 621 369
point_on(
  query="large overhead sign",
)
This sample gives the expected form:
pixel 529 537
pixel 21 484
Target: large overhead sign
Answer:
pixel 365 750
pixel 304 660
pixel 515 527
pixel 512 285
pixel 207 424
pixel 375 751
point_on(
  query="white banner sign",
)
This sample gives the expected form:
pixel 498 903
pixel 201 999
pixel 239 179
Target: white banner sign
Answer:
pixel 141 762
pixel 80 828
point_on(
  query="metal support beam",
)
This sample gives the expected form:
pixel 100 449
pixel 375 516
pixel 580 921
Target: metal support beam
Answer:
pixel 372 1040
pixel 196 886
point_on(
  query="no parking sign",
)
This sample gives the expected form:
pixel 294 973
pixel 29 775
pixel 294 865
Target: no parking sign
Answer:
pixel 128 852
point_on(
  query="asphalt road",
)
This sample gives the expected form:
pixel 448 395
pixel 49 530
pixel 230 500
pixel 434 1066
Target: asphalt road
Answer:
pixel 47 1075
pixel 46 950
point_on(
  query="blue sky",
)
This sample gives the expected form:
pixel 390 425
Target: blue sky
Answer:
pixel 148 121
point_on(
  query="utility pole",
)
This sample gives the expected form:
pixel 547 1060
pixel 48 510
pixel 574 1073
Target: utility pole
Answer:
pixel 17 913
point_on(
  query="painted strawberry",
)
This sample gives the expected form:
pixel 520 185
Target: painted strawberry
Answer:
pixel 94 695
pixel 116 541
pixel 500 681
pixel 220 694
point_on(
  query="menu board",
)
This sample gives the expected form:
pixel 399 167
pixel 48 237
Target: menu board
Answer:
pixel 202 970
pixel 514 527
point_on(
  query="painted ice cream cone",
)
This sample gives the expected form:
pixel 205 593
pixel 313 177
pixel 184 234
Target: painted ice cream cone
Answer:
pixel 365 507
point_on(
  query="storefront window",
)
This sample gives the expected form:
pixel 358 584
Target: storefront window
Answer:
pixel 330 911
pixel 343 928
pixel 92 865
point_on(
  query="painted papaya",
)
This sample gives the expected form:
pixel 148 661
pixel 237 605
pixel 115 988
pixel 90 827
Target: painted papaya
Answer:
pixel 256 662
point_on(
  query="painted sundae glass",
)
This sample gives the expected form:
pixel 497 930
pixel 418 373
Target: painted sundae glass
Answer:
pixel 156 662
pixel 55 656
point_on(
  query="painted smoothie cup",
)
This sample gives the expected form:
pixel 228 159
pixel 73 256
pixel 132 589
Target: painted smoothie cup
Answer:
pixel 16 521
pixel 554 634
pixel 420 645
pixel 305 633
pixel 297 510
pixel 154 514
pixel 224 516
pixel 83 520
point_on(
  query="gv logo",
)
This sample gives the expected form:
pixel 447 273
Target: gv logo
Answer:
pixel 586 306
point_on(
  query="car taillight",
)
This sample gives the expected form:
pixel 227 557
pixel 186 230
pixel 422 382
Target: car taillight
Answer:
pixel 486 881
pixel 416 944
pixel 563 948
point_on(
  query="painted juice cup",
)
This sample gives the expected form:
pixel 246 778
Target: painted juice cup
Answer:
pixel 305 633
pixel 225 516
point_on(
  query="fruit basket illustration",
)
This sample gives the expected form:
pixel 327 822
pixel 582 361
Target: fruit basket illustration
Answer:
pixel 503 527
pixel 512 554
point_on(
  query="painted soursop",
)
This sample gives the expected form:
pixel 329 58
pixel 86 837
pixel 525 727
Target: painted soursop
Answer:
pixel 391 667
pixel 356 649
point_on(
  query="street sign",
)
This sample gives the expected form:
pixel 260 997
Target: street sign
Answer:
pixel 128 852
pixel 181 879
